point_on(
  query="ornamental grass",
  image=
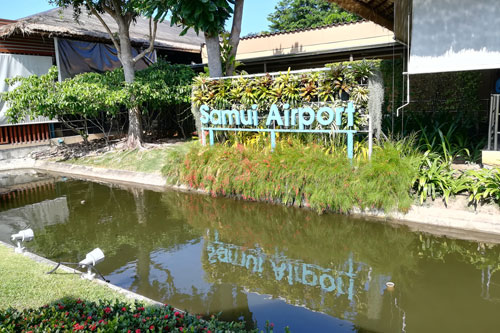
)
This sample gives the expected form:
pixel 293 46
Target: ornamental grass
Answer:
pixel 298 174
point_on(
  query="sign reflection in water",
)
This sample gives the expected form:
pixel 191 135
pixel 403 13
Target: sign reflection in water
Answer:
pixel 339 281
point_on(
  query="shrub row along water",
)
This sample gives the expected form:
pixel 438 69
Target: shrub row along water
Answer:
pixel 296 174
pixel 78 315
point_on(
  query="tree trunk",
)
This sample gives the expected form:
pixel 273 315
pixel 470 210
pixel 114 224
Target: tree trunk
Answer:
pixel 213 52
pixel 234 39
pixel 135 137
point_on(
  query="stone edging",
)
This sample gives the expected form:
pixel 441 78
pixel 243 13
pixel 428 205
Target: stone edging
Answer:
pixel 459 220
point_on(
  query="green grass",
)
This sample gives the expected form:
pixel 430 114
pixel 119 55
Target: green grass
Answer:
pixel 25 284
pixel 150 161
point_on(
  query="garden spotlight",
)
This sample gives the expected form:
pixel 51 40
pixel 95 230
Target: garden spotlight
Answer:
pixel 91 259
pixel 22 236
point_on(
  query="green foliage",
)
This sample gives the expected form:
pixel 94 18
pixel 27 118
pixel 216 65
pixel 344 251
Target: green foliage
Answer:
pixel 484 185
pixel 436 178
pixel 296 174
pixel 208 16
pixel 303 14
pixel 79 315
pixel 88 94
pixel 335 85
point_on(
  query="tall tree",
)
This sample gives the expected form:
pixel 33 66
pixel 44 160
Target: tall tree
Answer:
pixel 123 12
pixel 301 14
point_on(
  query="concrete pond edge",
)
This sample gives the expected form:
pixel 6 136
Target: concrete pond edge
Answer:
pixel 457 220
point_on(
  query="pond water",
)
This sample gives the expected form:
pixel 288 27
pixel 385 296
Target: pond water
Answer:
pixel 260 262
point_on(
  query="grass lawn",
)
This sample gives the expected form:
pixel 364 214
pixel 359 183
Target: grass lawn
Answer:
pixel 150 160
pixel 25 284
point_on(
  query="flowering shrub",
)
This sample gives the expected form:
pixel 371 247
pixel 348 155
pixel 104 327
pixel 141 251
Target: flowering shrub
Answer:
pixel 76 315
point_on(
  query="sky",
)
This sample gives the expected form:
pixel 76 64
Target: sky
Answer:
pixel 254 12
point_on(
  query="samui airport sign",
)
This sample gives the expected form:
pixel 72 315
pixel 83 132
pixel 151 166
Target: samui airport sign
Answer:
pixel 284 119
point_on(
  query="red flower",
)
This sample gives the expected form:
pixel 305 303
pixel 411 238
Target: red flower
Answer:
pixel 151 327
pixel 78 327
pixel 89 318
pixel 166 316
pixel 124 309
pixel 61 307
pixel 140 309
pixel 136 315
pixel 181 329
pixel 144 320
pixel 78 301
pixel 107 309
pixel 137 331
pixel 176 313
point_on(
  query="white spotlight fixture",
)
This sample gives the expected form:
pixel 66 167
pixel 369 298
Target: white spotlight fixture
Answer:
pixel 91 259
pixel 22 236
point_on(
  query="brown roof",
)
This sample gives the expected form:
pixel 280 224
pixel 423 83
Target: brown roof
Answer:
pixel 378 11
pixel 59 22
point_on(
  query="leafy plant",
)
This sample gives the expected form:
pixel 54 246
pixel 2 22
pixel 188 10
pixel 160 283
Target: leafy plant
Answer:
pixel 484 185
pixel 344 80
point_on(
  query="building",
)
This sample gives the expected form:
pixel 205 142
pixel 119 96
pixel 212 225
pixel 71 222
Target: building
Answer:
pixel 315 47
pixel 445 37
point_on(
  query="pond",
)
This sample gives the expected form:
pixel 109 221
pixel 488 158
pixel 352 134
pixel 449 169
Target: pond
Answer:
pixel 259 262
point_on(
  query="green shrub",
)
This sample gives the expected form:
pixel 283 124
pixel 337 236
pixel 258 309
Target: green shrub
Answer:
pixel 78 315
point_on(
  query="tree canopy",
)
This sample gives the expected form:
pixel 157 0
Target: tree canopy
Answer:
pixel 202 15
pixel 301 14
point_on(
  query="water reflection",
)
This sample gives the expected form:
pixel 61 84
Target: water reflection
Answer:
pixel 260 262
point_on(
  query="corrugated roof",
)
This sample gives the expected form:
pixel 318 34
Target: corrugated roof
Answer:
pixel 59 22
pixel 269 34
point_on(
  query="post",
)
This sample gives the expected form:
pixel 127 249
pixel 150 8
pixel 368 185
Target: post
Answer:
pixel 370 137
pixel 211 134
pixel 350 148
pixel 273 140
pixel 203 136
pixel 497 106
pixel 58 62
